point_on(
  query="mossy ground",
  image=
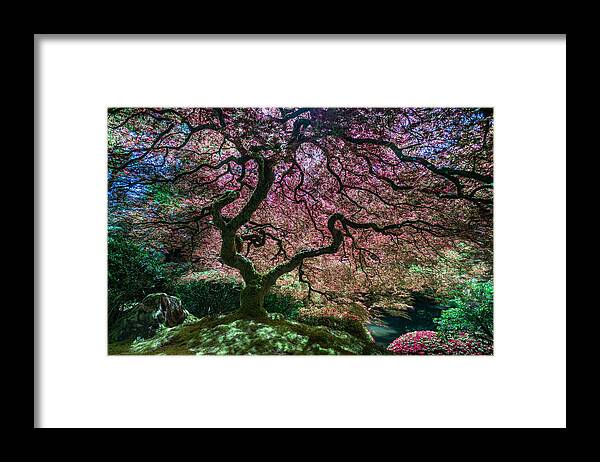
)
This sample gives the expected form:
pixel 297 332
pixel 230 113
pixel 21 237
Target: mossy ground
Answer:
pixel 233 334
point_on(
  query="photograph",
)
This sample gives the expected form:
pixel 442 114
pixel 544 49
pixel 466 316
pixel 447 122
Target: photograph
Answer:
pixel 300 230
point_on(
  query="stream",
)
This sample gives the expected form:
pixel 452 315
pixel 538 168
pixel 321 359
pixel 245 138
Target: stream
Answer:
pixel 385 329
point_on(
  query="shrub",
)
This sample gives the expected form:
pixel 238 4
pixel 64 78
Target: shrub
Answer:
pixel 203 297
pixel 428 342
pixel 216 294
pixel 285 304
pixel 471 310
pixel 133 272
pixel 452 267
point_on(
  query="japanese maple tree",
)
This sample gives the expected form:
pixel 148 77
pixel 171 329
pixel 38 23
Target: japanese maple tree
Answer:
pixel 274 189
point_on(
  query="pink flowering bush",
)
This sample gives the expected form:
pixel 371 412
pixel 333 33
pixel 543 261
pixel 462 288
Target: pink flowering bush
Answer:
pixel 427 342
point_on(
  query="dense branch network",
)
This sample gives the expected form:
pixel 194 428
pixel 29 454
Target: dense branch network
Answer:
pixel 295 184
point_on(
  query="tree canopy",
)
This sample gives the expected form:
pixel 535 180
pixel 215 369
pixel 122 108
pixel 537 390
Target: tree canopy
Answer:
pixel 266 191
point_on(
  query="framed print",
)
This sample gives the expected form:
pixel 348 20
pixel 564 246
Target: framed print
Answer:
pixel 367 229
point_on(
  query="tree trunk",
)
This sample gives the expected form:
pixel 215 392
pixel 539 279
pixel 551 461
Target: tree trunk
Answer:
pixel 252 300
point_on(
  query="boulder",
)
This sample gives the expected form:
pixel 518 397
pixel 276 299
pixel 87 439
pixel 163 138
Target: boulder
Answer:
pixel 165 308
pixel 145 318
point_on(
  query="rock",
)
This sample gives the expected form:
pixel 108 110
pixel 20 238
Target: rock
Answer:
pixel 395 309
pixel 276 316
pixel 166 308
pixel 145 318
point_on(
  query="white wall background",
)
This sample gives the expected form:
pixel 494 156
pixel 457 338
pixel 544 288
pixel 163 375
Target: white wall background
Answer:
pixel 523 385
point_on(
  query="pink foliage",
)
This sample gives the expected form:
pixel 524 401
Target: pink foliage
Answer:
pixel 402 178
pixel 427 342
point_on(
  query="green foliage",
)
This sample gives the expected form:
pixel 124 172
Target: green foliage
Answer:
pixel 451 268
pixel 416 269
pixel 285 304
pixel 220 295
pixel 133 271
pixel 471 310
pixel 203 297
pixel 164 194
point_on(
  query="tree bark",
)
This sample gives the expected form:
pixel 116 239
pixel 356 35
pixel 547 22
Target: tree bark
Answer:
pixel 252 299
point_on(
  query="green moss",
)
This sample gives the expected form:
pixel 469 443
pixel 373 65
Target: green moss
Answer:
pixel 119 348
pixel 235 335
pixel 352 326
